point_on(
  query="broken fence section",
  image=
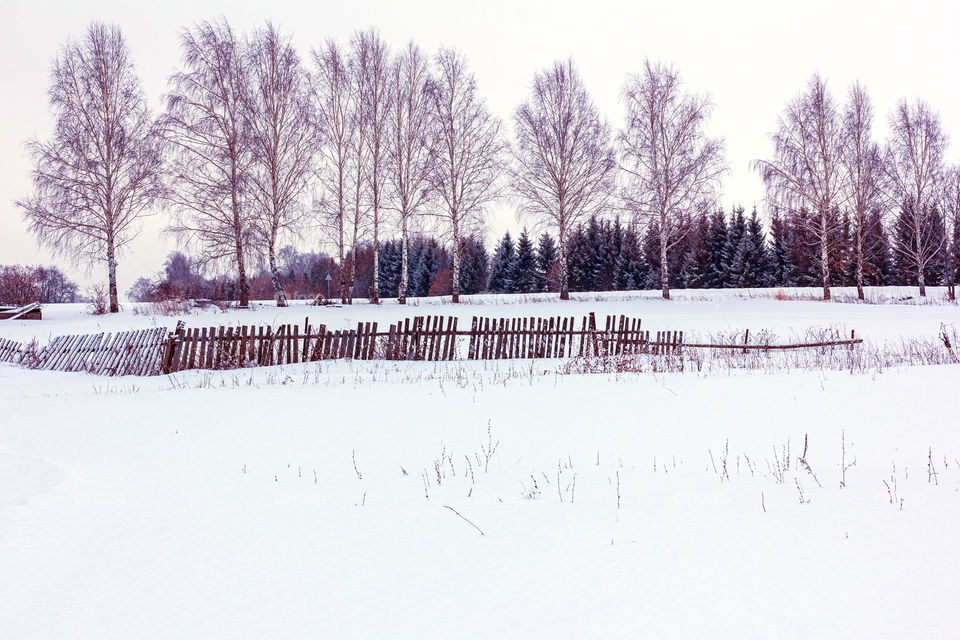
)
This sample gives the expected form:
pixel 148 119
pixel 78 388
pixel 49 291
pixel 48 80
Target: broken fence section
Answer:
pixel 10 350
pixel 112 354
pixel 30 311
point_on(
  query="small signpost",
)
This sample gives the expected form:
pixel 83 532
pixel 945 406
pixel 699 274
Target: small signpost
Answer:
pixel 328 279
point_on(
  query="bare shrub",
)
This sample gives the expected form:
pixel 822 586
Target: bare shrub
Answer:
pixel 175 306
pixel 99 302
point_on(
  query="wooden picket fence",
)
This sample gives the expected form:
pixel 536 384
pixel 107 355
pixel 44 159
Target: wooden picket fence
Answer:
pixel 431 338
pixel 495 339
pixel 10 350
pixel 112 354
pixel 233 347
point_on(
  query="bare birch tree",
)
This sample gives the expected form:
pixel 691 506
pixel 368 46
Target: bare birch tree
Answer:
pixel 411 144
pixel 334 98
pixel 209 152
pixel 99 172
pixel 914 169
pixel 372 60
pixel 470 152
pixel 358 157
pixel 673 170
pixel 807 172
pixel 284 137
pixel 564 163
pixel 863 164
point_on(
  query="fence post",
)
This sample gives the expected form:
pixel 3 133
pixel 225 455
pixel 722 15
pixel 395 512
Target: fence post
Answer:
pixel 172 341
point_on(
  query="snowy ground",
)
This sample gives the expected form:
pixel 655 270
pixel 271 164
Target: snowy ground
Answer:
pixel 312 500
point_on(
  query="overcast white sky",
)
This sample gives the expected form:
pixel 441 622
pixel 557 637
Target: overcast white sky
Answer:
pixel 751 56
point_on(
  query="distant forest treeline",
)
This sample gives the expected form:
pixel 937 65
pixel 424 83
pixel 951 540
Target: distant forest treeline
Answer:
pixel 720 251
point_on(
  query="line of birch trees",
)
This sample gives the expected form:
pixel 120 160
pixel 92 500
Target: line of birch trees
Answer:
pixel 258 146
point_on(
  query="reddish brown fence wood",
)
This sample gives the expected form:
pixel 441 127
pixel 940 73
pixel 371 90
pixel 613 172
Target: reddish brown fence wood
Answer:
pixel 427 338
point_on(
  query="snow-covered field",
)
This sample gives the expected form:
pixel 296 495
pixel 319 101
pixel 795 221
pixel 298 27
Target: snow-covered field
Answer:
pixel 499 499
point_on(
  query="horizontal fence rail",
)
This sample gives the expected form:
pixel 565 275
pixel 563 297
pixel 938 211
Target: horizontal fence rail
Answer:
pixel 427 338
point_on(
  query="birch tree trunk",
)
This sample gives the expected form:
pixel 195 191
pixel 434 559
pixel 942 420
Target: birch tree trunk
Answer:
pixel 455 284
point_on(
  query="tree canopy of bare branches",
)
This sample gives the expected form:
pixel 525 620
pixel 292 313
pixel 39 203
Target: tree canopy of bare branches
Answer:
pixel 564 162
pixel 284 137
pixel 806 172
pixel 209 153
pixel 334 97
pixel 673 169
pixel 914 169
pixel 470 151
pixel 411 144
pixel 863 164
pixel 100 170
pixel 371 59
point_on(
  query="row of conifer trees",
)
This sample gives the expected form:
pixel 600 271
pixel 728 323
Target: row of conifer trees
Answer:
pixel 720 250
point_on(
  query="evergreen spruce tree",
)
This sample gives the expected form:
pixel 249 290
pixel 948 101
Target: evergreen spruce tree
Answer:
pixel 389 268
pixel 593 238
pixel 877 260
pixel 612 255
pixel 650 249
pixel 474 266
pixel 501 267
pixel 804 253
pixel 715 243
pixel 580 261
pixel 696 269
pixel 781 266
pixel 603 254
pixel 756 269
pixel 843 268
pixel 905 244
pixel 426 258
pixel 546 259
pixel 732 260
pixel 415 266
pixel 629 270
pixel 524 266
